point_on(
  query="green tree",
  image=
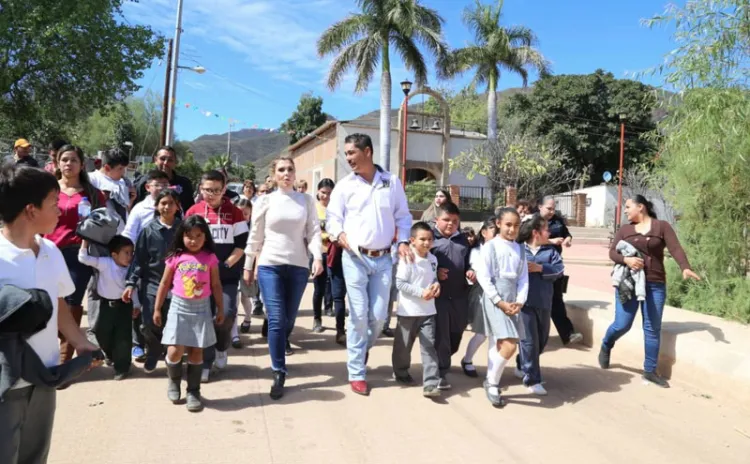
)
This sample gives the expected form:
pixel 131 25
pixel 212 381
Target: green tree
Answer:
pixel 364 41
pixel 703 156
pixel 581 114
pixel 306 118
pixel 496 48
pixel 137 120
pixel 468 108
pixel 513 159
pixel 59 61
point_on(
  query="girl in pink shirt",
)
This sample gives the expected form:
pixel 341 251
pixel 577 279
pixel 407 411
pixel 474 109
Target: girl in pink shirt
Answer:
pixel 192 275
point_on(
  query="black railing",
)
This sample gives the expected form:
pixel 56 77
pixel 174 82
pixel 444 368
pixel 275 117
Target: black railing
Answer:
pixel 475 199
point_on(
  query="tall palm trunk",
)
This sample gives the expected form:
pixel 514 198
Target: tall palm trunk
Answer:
pixel 492 109
pixel 495 183
pixel 385 110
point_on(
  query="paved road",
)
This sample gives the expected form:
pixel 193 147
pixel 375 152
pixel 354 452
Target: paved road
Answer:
pixel 590 416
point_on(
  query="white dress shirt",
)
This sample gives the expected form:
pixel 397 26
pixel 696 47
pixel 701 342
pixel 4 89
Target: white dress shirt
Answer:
pixel 111 281
pixel 369 214
pixel 140 216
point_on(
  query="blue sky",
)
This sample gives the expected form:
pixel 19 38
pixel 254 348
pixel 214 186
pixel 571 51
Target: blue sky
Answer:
pixel 260 54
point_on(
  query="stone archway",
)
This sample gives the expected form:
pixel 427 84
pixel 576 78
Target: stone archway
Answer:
pixel 446 131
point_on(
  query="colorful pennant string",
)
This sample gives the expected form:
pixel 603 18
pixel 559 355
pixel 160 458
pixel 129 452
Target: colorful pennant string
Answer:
pixel 233 121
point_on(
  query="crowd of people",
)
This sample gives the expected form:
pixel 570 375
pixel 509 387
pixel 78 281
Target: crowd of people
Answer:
pixel 176 266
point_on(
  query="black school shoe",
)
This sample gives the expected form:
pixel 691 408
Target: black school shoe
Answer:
pixel 469 372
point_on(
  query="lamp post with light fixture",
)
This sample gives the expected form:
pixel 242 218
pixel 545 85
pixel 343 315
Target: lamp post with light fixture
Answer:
pixel 406 88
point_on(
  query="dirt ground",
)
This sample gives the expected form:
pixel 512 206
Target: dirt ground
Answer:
pixel 590 415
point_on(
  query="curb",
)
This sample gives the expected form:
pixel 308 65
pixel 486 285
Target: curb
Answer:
pixel 707 353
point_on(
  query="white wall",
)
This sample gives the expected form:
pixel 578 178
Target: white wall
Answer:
pixel 602 205
pixel 424 147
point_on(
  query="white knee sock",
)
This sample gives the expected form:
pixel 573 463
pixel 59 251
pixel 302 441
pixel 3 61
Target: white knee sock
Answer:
pixel 474 344
pixel 247 307
pixel 495 365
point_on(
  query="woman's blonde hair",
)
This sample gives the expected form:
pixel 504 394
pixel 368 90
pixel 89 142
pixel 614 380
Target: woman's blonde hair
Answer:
pixel 275 163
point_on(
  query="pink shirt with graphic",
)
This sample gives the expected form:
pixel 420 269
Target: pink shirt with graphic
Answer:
pixel 192 274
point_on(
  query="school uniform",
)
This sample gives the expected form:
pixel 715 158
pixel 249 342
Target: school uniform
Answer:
pixel 475 314
pixel 145 276
pixel 114 324
pixel 416 318
pixel 536 313
pixel 452 253
pixel 504 276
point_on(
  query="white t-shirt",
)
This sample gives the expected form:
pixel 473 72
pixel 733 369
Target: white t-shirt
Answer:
pixel 48 272
pixel 411 280
pixel 111 281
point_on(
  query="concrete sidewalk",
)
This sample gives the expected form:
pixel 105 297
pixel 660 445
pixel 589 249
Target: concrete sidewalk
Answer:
pixel 590 416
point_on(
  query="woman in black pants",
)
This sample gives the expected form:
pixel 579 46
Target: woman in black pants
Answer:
pixel 338 291
pixel 322 283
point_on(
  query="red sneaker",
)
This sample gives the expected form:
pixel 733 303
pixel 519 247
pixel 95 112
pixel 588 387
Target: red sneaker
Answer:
pixel 360 387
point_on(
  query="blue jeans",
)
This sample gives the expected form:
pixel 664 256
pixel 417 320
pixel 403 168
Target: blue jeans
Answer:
pixel 223 330
pixel 282 288
pixel 368 284
pixel 652 309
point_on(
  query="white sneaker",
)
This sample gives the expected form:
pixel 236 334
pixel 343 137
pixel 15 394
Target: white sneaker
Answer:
pixel 575 337
pixel 519 373
pixel 537 389
pixel 222 358
pixel 204 375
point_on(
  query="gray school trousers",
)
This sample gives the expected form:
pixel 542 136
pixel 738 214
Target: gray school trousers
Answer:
pixel 26 418
pixel 407 331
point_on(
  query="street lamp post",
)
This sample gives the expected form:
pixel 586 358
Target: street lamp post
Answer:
pixel 622 159
pixel 173 77
pixel 406 88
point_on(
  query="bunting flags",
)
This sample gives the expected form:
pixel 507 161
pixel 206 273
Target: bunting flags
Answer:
pixel 232 121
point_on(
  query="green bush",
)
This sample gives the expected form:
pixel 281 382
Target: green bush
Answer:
pixel 420 194
pixel 726 298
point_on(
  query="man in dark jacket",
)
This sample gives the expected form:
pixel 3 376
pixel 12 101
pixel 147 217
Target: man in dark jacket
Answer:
pixel 451 248
pixel 560 237
pixel 166 160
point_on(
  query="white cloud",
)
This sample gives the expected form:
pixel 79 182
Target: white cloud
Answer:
pixel 277 37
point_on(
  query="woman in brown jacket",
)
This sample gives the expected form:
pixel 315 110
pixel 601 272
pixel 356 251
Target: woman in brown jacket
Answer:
pixel 649 236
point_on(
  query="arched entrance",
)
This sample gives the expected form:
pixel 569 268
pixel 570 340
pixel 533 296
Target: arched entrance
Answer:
pixel 446 132
pixel 417 174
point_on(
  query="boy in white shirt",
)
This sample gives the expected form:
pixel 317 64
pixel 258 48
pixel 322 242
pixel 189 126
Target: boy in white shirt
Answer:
pixel 143 213
pixel 418 287
pixel 113 326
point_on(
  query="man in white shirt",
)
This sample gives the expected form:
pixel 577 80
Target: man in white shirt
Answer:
pixel 143 213
pixel 368 209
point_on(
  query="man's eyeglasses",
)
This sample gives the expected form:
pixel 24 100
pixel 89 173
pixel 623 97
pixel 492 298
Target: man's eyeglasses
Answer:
pixel 206 191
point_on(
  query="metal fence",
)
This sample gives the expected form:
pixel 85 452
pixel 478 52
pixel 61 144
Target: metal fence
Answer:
pixel 565 204
pixel 473 201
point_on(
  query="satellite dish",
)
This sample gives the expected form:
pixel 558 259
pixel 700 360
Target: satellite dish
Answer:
pixel 607 176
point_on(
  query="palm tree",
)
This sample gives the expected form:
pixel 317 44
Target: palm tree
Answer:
pixel 363 41
pixel 497 48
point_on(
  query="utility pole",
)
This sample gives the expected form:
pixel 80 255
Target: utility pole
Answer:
pixel 618 220
pixel 173 78
pixel 229 142
pixel 165 104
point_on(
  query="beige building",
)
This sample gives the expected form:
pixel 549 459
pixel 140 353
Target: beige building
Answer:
pixel 321 154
